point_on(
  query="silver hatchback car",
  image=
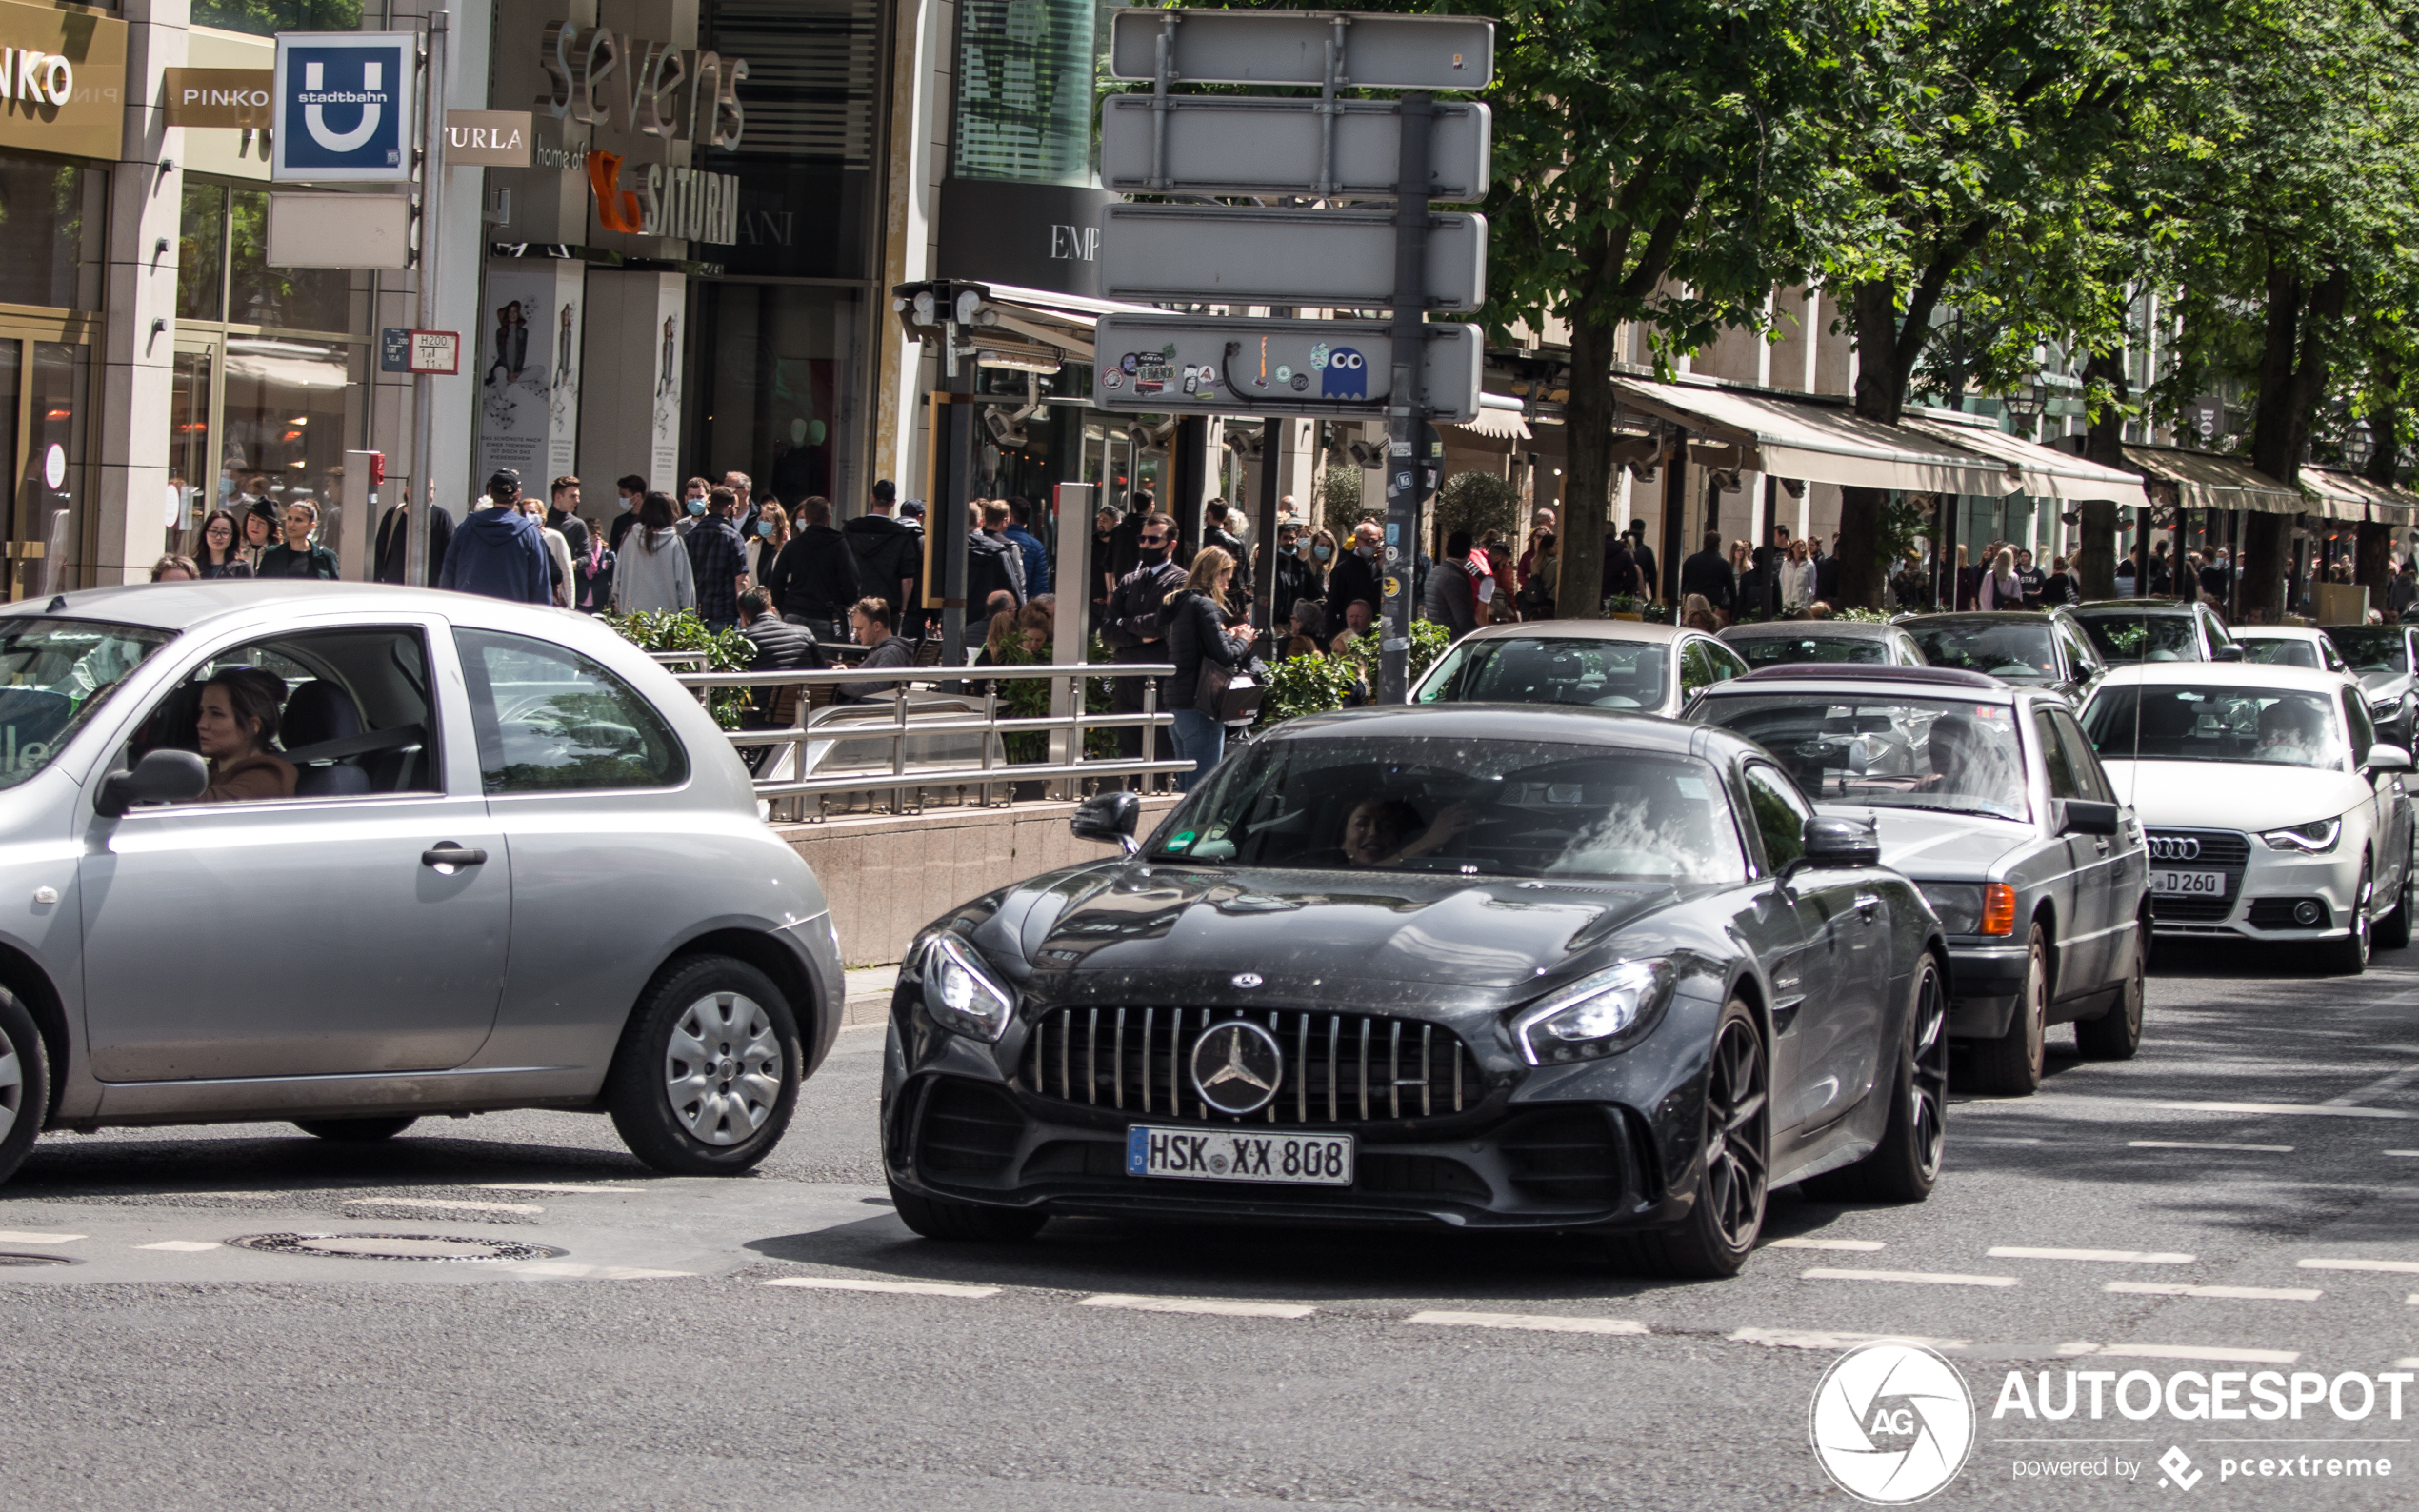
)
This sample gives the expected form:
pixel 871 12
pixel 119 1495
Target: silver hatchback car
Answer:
pixel 449 855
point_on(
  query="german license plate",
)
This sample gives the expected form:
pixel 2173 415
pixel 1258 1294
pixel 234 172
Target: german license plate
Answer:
pixel 2189 884
pixel 1221 1155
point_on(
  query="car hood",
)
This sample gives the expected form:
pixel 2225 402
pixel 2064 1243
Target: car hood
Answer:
pixel 1137 933
pixel 1936 847
pixel 2380 686
pixel 2232 795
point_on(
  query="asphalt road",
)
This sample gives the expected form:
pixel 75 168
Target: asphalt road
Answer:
pixel 657 1348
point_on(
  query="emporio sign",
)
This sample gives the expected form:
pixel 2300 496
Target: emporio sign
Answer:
pixel 62 80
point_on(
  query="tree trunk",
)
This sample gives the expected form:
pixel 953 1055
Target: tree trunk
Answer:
pixel 2375 565
pixel 1881 394
pixel 1586 509
pixel 2292 369
pixel 2095 554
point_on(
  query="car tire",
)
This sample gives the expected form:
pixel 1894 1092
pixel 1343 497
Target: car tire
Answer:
pixel 1906 1164
pixel 2117 1033
pixel 1733 1164
pixel 355 1130
pixel 2011 1065
pixel 2393 930
pixel 708 1071
pixel 939 1218
pixel 2348 957
pixel 24 1084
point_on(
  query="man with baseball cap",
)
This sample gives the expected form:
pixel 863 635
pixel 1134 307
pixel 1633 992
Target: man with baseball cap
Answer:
pixel 499 550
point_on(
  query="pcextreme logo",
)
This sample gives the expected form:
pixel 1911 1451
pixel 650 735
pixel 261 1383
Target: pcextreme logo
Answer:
pixel 1891 1423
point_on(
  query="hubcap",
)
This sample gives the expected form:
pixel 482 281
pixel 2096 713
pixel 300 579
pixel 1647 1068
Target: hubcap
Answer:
pixel 722 1069
pixel 2360 913
pixel 11 1086
pixel 2036 1010
pixel 1928 1115
pixel 1736 1106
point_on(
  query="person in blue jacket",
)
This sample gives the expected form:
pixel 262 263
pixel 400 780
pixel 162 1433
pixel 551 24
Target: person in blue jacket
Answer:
pixel 499 550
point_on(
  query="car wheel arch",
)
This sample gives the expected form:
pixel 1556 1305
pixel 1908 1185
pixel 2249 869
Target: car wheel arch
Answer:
pixel 2044 915
pixel 767 955
pixel 31 985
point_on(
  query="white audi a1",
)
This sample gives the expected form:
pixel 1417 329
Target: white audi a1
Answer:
pixel 2271 809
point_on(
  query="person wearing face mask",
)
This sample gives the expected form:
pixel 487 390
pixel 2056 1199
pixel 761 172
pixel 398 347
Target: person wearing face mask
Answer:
pixel 1294 581
pixel 764 539
pixel 1136 626
pixel 695 497
pixel 629 491
pixel 1359 574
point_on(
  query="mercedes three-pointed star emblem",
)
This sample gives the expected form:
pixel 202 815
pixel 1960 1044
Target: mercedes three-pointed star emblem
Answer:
pixel 1236 1066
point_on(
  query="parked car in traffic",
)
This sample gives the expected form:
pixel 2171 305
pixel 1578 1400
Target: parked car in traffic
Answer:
pixel 2383 657
pixel 2290 645
pixel 1622 665
pixel 1988 795
pixel 1484 967
pixel 2272 810
pixel 1774 643
pixel 2039 648
pixel 2124 630
pixel 452 855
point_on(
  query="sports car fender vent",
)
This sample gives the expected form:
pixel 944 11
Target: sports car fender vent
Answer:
pixel 969 1129
pixel 1573 1155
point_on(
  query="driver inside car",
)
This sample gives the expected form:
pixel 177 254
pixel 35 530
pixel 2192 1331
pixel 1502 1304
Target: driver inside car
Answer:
pixel 2288 733
pixel 235 730
pixel 1966 763
pixel 1380 831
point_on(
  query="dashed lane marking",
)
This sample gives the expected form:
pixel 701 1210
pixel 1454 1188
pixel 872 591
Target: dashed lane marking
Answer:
pixel 1997 1139
pixel 1918 1278
pixel 2407 1154
pixel 2215 1354
pixel 15 1236
pixel 2386 1084
pixel 448 1203
pixel 2402 1267
pixel 572 1268
pixel 1820 1338
pixel 2318 1110
pixel 184 1247
pixel 1534 1322
pixel 2207 1144
pixel 1826 1243
pixel 1214 1305
pixel 2162 1289
pixel 2113 1257
pixel 556 1187
pixel 904 1288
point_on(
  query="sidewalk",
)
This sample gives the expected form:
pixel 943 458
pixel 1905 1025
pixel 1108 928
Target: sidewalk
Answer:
pixel 869 1000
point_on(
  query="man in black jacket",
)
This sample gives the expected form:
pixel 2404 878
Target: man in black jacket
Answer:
pixel 1355 574
pixel 1296 581
pixel 1709 574
pixel 1648 571
pixel 988 569
pixel 391 542
pixel 781 646
pixel 815 579
pixel 889 555
pixel 1136 626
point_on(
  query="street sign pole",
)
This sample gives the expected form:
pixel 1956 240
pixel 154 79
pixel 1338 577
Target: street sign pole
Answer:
pixel 423 420
pixel 1406 411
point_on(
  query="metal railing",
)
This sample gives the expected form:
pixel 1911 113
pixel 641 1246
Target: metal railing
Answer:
pixel 793 793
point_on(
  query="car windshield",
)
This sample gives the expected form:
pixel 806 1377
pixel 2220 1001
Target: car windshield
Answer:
pixel 1462 807
pixel 53 674
pixel 2023 653
pixel 2216 724
pixel 2278 651
pixel 2375 649
pixel 2123 637
pixel 1885 750
pixel 1772 651
pixel 1550 669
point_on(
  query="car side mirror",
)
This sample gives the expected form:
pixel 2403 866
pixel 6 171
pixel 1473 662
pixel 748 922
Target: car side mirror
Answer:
pixel 2384 758
pixel 1108 817
pixel 1840 843
pixel 2226 653
pixel 167 777
pixel 2081 816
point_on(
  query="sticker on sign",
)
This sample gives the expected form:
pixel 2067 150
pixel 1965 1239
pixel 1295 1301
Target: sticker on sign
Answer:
pixel 436 351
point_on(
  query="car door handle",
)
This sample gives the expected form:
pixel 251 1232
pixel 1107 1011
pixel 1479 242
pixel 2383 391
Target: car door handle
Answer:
pixel 1869 904
pixel 446 856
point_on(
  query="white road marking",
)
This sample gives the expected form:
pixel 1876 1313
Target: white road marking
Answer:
pixel 2405 1153
pixel 2403 1267
pixel 183 1246
pixel 15 1236
pixel 1544 1324
pixel 1818 1338
pixel 2386 1084
pixel 2322 1109
pixel 2215 1353
pixel 909 1288
pixel 2119 1107
pixel 453 1204
pixel 1826 1243
pixel 1923 1278
pixel 1218 1307
pixel 2118 1257
pixel 2206 1144
pixel 253 1196
pixel 554 1186
pixel 1997 1138
pixel 2162 1289
pixel 2408 1363
pixel 572 1268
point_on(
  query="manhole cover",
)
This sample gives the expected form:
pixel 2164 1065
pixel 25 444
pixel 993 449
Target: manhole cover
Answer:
pixel 398 1246
pixel 9 1258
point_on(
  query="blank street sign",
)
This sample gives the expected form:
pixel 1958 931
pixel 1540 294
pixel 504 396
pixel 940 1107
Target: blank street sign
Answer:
pixel 1326 258
pixel 1202 365
pixel 1255 145
pixel 1289 47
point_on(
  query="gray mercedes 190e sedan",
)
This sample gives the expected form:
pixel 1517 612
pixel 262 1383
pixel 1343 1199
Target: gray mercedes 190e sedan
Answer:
pixel 446 855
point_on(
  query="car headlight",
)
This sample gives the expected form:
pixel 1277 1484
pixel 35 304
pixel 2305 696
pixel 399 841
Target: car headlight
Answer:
pixel 960 992
pixel 1958 904
pixel 1594 1017
pixel 2313 839
pixel 2388 705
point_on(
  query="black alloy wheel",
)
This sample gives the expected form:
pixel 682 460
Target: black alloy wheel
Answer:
pixel 1906 1164
pixel 356 1130
pixel 1727 1215
pixel 2117 1033
pixel 2393 930
pixel 2348 957
pixel 2010 1065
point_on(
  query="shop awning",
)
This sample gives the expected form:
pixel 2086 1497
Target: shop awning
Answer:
pixel 1500 418
pixel 2349 496
pixel 2205 481
pixel 1064 321
pixel 1829 442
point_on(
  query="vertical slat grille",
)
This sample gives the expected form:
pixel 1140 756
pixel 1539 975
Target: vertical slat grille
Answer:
pixel 1339 1068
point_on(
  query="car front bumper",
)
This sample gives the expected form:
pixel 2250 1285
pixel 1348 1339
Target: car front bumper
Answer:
pixel 2273 883
pixel 1985 981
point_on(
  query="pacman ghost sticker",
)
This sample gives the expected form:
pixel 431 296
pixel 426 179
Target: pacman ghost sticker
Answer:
pixel 1346 375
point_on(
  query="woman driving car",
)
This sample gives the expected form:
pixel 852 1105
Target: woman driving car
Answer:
pixel 235 730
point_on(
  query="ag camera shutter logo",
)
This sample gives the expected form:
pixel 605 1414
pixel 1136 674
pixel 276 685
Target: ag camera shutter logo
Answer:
pixel 345 105
pixel 1891 1423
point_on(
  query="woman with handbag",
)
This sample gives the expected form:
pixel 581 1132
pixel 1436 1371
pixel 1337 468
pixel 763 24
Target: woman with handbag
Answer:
pixel 1206 658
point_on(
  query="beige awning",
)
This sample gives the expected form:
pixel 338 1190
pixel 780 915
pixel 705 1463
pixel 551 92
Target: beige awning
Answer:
pixel 1499 418
pixel 2205 481
pixel 1821 442
pixel 2333 495
pixel 2349 496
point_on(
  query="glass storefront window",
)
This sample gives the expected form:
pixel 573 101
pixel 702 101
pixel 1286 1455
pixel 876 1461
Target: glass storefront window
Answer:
pixel 1024 100
pixel 257 294
pixel 266 18
pixel 284 416
pixel 53 216
pixel 778 373
pixel 810 201
pixel 201 257
pixel 188 447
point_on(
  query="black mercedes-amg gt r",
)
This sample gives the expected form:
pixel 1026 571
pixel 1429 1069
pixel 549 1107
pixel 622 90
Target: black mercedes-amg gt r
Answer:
pixel 1498 967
